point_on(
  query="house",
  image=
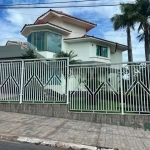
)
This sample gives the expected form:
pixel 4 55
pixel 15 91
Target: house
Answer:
pixel 55 31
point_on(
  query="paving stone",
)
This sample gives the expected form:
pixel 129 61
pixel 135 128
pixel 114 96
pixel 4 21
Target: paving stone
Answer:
pixel 73 131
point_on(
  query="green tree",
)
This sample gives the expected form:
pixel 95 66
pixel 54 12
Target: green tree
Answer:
pixel 142 12
pixel 125 20
pixel 29 55
pixel 71 55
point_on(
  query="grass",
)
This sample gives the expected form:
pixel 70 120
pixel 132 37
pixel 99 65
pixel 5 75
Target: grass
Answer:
pixel 102 106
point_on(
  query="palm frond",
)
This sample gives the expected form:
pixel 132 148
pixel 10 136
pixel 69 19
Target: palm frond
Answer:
pixel 29 55
pixel 71 55
pixel 141 37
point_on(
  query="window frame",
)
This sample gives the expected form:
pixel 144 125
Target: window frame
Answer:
pixel 45 39
pixel 99 51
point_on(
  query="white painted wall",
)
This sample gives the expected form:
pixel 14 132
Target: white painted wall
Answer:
pixel 81 49
pixel 46 54
pixel 116 57
pixel 112 57
pixel 77 31
pixel 94 57
pixel 56 21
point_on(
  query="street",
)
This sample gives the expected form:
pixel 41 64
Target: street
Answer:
pixel 9 145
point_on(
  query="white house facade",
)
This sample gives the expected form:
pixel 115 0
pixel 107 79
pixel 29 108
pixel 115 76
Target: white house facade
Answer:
pixel 56 31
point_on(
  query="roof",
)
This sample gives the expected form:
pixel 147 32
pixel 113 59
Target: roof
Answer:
pixel 62 13
pixel 23 44
pixel 44 24
pixel 88 37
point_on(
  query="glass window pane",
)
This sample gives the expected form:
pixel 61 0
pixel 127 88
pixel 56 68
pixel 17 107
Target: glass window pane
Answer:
pixel 104 51
pixel 98 50
pixel 45 40
pixel 53 42
pixel 101 51
pixel 29 38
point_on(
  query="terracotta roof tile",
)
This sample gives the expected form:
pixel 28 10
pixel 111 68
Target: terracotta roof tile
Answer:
pixel 62 13
pixel 44 23
pixel 88 36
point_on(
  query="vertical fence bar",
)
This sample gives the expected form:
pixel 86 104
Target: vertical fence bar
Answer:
pixel 67 82
pixel 21 85
pixel 121 88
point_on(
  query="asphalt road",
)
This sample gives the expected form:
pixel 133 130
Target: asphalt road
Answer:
pixel 9 145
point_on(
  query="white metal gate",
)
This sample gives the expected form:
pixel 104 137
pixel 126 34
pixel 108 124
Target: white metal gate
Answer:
pixel 110 88
pixel 34 81
pixel 10 81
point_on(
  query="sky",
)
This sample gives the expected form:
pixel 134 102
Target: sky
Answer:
pixel 12 21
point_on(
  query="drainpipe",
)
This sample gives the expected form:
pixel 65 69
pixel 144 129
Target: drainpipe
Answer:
pixel 116 47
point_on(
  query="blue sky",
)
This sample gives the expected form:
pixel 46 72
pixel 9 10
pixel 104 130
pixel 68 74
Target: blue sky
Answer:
pixel 12 21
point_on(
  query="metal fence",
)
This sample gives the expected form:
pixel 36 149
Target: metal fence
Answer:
pixel 102 88
pixel 34 81
pixel 110 88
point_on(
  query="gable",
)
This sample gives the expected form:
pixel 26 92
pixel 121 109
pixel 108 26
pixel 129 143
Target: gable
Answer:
pixel 66 18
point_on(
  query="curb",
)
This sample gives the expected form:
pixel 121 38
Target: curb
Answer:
pixel 50 143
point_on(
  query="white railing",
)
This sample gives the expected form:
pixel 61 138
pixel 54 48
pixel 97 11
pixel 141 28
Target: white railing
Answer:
pixel 33 81
pixel 102 88
pixel 110 88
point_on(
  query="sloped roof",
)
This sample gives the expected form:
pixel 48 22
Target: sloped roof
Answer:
pixel 88 36
pixel 62 13
pixel 43 24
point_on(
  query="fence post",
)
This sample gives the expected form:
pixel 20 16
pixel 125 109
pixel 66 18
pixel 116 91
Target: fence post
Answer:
pixel 121 88
pixel 67 83
pixel 21 85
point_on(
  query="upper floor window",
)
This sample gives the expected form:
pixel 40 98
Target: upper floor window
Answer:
pixel 53 42
pixel 45 41
pixel 101 51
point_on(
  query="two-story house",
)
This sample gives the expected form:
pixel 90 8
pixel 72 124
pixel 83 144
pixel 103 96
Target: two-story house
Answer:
pixel 56 31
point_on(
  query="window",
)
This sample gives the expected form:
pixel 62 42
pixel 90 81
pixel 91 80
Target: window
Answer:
pixel 53 42
pixel 29 38
pixel 101 51
pixel 45 40
pixel 39 40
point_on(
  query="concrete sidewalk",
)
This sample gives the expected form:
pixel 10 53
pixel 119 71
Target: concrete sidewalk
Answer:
pixel 72 131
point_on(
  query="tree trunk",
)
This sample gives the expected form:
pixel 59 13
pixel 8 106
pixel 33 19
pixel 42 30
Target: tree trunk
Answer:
pixel 147 44
pixel 130 55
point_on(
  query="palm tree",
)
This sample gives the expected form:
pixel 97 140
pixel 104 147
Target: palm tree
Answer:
pixel 125 20
pixel 29 55
pixel 143 12
pixel 71 55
